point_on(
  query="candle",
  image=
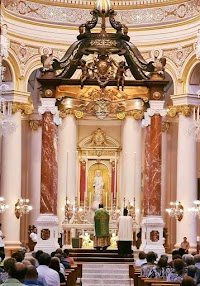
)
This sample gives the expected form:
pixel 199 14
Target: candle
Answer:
pixel 90 200
pixel 106 200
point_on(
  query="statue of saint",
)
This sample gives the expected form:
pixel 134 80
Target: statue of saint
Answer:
pixel 98 185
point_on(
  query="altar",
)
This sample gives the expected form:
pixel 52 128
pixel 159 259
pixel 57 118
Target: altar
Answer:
pixel 85 232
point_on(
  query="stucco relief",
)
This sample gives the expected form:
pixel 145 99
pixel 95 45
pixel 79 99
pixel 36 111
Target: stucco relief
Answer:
pixel 141 16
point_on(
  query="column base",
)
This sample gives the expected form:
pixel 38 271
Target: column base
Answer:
pixel 11 247
pixel 152 234
pixel 47 229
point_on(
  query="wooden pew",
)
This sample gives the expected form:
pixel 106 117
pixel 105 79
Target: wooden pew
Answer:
pixel 71 276
pixel 150 281
pixel 165 284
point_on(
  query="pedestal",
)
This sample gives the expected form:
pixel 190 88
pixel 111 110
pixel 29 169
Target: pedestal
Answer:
pixel 152 234
pixel 47 227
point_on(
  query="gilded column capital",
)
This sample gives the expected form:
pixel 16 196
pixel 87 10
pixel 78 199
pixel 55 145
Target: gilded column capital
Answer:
pixel 185 110
pixel 64 112
pixel 137 114
pixel 165 126
pixel 25 108
pixel 35 124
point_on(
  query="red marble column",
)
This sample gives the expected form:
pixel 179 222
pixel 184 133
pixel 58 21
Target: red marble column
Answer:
pixel 49 168
pixel 82 181
pixel 152 171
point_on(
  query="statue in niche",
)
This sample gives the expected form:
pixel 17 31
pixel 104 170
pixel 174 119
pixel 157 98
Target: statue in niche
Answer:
pixel 98 184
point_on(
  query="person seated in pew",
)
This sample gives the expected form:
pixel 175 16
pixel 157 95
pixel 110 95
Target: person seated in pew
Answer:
pixel 151 258
pixel 161 270
pixel 55 265
pixel 68 258
pixel 141 259
pixel 178 271
pixel 188 281
pixel 31 276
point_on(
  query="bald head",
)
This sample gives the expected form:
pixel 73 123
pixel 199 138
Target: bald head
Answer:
pixel 18 271
pixel 31 273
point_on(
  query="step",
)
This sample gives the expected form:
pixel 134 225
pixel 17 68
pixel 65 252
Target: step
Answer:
pixel 106 271
pixel 108 281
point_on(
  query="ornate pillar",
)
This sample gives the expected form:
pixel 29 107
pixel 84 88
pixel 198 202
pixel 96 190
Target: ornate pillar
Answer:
pixel 11 183
pixel 67 146
pixel 131 158
pixel 186 191
pixel 35 168
pixel 47 222
pixel 152 223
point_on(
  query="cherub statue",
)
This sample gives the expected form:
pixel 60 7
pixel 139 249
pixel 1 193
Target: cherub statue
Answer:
pixel 85 71
pixel 47 61
pixel 120 74
pixel 159 65
pixel 87 242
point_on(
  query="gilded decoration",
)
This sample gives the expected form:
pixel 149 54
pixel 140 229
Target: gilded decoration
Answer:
pixel 105 176
pixel 98 138
pixel 136 114
pixel 48 93
pixel 35 124
pixel 25 108
pixel 165 126
pixel 185 110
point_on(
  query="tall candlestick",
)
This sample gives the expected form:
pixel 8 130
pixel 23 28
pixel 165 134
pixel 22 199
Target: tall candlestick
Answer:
pixel 90 200
pixel 134 177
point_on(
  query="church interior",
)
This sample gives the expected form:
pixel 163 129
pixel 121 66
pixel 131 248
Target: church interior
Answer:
pixel 106 89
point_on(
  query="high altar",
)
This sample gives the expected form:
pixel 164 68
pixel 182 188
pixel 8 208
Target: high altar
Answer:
pixel 103 60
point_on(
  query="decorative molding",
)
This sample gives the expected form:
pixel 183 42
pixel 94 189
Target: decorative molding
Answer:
pixel 148 15
pixel 156 107
pixel 136 114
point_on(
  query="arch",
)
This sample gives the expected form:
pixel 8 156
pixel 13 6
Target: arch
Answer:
pixel 189 69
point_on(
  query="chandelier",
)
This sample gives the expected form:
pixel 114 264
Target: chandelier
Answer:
pixel 176 210
pixel 3 206
pixel 22 207
pixel 196 209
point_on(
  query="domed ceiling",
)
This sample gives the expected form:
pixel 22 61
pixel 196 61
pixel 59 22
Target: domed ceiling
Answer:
pixel 132 13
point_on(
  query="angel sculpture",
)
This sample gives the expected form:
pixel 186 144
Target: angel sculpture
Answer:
pixel 47 61
pixel 159 65
pixel 120 74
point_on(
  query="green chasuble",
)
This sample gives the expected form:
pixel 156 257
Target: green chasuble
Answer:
pixel 101 221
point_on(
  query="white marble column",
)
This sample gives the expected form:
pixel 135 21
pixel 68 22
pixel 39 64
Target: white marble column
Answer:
pixel 11 183
pixel 67 144
pixel 186 170
pixel 35 171
pixel 131 161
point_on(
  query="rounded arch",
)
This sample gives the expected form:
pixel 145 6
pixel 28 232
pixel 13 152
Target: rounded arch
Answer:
pixel 13 66
pixel 191 75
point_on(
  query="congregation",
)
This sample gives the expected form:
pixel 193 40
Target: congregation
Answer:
pixel 183 268
pixel 38 269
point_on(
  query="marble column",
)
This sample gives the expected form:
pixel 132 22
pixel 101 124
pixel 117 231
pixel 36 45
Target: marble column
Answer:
pixel 131 161
pixel 152 224
pixel 66 163
pixel 11 183
pixel 35 169
pixel 47 222
pixel 186 191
